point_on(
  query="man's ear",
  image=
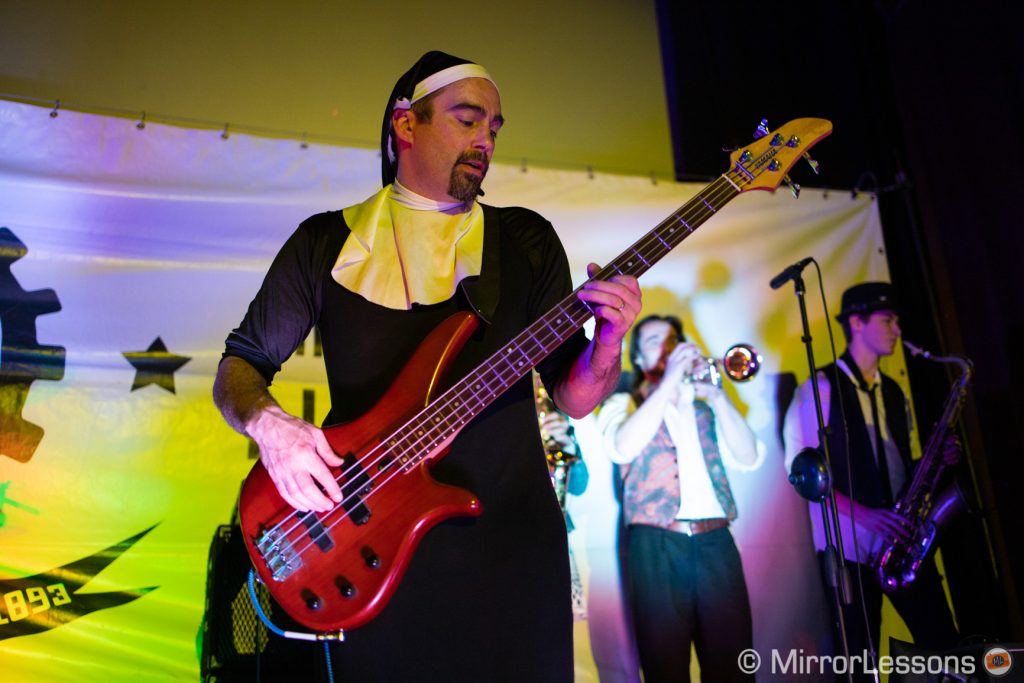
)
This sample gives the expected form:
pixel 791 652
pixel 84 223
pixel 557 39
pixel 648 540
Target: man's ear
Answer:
pixel 403 121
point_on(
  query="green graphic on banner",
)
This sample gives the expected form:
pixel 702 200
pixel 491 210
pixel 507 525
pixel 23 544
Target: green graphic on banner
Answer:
pixel 45 601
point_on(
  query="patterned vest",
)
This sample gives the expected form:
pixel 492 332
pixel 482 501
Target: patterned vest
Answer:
pixel 651 481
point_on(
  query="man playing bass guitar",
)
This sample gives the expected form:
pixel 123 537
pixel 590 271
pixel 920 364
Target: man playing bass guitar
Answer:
pixel 484 598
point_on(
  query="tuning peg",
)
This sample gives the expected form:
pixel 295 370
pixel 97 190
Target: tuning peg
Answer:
pixel 813 164
pixel 762 129
pixel 793 187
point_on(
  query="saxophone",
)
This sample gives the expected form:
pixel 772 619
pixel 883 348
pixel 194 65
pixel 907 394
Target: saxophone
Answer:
pixel 560 462
pixel 897 563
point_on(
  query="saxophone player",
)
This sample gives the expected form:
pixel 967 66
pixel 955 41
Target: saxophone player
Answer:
pixel 869 467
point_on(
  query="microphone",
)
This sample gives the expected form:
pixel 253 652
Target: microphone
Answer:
pixel 810 474
pixel 790 273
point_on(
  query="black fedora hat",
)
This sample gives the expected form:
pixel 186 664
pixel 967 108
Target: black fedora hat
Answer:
pixel 867 297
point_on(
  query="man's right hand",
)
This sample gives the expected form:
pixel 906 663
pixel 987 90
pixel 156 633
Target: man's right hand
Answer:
pixel 679 362
pixel 296 455
pixel 883 522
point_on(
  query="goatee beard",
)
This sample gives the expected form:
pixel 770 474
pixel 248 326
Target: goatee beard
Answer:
pixel 465 186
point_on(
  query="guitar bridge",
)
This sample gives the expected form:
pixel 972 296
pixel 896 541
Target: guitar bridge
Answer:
pixel 279 554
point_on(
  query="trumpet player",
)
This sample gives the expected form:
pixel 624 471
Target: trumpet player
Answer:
pixel 871 461
pixel 673 440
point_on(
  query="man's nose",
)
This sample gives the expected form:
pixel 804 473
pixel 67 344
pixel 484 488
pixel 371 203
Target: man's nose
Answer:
pixel 484 141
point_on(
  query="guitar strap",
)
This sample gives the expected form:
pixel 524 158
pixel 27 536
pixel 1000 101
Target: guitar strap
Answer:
pixel 482 291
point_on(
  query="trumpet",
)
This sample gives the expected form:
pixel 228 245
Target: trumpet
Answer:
pixel 739 363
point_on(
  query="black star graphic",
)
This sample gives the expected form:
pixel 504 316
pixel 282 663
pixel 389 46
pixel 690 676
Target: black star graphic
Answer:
pixel 155 365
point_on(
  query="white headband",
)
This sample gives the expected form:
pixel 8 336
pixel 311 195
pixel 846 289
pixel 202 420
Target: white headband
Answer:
pixel 444 77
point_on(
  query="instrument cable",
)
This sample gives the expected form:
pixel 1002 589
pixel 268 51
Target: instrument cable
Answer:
pixel 325 638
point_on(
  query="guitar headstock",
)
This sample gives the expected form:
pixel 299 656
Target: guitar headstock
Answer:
pixel 765 163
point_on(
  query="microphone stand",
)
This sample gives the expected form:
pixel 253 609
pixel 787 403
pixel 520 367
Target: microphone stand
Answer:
pixel 835 563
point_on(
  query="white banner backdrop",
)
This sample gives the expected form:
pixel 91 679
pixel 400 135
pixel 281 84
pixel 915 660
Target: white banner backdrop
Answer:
pixel 130 253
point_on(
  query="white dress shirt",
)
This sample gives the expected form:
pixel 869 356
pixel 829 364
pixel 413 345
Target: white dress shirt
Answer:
pixel 801 431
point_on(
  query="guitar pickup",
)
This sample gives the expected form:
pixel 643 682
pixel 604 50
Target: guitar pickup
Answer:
pixel 356 485
pixel 317 533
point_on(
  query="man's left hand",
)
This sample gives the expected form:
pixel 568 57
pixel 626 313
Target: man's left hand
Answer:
pixel 555 428
pixel 615 302
pixel 708 392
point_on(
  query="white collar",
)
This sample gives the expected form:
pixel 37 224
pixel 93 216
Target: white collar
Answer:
pixel 853 378
pixel 412 200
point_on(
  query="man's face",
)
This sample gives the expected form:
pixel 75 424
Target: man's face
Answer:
pixel 879 333
pixel 447 158
pixel 656 339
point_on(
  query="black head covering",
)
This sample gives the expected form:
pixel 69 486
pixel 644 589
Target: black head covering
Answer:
pixel 427 65
pixel 867 297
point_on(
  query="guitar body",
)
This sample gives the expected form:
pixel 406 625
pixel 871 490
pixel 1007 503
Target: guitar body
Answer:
pixel 337 570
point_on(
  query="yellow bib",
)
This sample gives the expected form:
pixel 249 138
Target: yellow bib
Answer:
pixel 398 254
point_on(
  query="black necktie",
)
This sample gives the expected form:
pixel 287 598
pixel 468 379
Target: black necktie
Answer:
pixel 882 461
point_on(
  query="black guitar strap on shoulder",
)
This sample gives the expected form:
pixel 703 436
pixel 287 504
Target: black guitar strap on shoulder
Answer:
pixel 482 291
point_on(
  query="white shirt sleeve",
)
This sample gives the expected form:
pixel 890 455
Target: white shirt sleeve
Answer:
pixel 800 429
pixel 728 459
pixel 613 413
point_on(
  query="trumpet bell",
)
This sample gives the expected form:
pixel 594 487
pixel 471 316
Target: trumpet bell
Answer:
pixel 741 362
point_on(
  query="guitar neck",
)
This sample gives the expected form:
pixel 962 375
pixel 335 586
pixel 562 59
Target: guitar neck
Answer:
pixel 445 416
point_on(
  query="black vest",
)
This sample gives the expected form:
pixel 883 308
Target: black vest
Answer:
pixel 867 486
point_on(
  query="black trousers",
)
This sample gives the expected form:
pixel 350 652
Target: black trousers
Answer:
pixel 688 589
pixel 922 606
